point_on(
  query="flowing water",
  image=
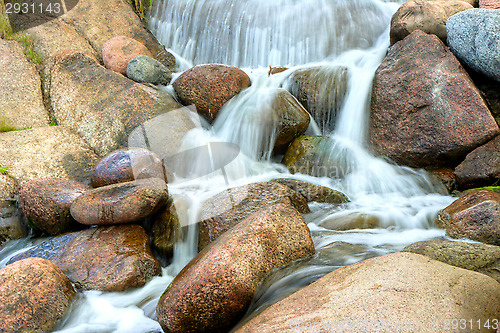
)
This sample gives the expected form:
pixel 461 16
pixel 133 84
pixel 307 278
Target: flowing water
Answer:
pixel 391 206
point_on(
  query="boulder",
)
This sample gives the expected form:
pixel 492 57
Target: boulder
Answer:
pixel 102 106
pixel 491 4
pixel 46 203
pixel 34 296
pixel 490 90
pixel 400 292
pixel 321 90
pixel 349 220
pixel 426 111
pixel 119 50
pixel 120 203
pixel 228 208
pixel 474 36
pixel 127 164
pixel 115 258
pixel 214 290
pixel 481 166
pixel 445 176
pixel 209 87
pixel 476 216
pixel 313 192
pixel 11 223
pixel 425 15
pixel 47 152
pixel 146 69
pixel 477 257
pixel 21 102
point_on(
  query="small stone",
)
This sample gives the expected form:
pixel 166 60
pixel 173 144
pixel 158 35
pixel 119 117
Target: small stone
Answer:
pixel 118 51
pixel 146 69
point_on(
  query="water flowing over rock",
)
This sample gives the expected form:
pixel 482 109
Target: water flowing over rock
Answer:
pixel 393 293
pixel 164 230
pixel 428 16
pixel 477 257
pixel 351 221
pixel 46 203
pixel 115 258
pixel 146 69
pixel 119 50
pixel 426 112
pixel 209 87
pixel 214 290
pixel 476 216
pixel 472 36
pixel 102 106
pixel 481 166
pixel 128 164
pixel 321 90
pixel 47 152
pixel 34 296
pixel 120 203
pixel 228 208
pixel 312 192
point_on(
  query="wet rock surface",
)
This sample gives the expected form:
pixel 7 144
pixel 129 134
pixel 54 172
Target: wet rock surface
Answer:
pixel 114 258
pixel 11 223
pixel 34 296
pixel 312 192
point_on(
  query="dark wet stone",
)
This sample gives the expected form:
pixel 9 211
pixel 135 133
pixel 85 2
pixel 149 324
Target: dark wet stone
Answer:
pixel 120 203
pixel 114 258
pixel 314 192
pixel 46 203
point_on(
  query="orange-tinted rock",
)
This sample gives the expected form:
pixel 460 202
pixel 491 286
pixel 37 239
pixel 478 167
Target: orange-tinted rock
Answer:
pixel 120 203
pixel 214 290
pixel 46 203
pixel 34 296
pixel 113 258
pixel 481 166
pixel 476 216
pixel 491 4
pixel 118 51
pixel 127 164
pixel 228 208
pixel 209 87
pixel 426 111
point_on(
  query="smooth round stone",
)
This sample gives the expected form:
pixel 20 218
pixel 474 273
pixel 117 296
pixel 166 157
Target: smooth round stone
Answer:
pixel 146 69
pixel 46 203
pixel 127 164
pixel 120 203
pixel 119 50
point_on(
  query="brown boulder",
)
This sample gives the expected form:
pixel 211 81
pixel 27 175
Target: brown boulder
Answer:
pixel 34 296
pixel 120 203
pixel 209 87
pixel 425 15
pixel 476 216
pixel 481 166
pixel 313 192
pixel 113 258
pixel 119 50
pixel 127 164
pixel 350 220
pixel 214 290
pixel 228 208
pixel 46 203
pixel 400 292
pixel 491 4
pixel 425 111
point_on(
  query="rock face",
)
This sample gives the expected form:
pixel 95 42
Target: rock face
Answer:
pixel 113 258
pixel 425 111
pixel 321 90
pixel 12 225
pixel 228 208
pixel 472 36
pixel 21 103
pixel 476 216
pixel 491 4
pixel 102 106
pixel 164 230
pixel 400 292
pixel 127 164
pixel 209 87
pixel 213 291
pixel 119 50
pixel 34 296
pixel 312 192
pixel 477 257
pixel 120 203
pixel 481 166
pixel 46 203
pixel 48 152
pixel 428 16
pixel 146 69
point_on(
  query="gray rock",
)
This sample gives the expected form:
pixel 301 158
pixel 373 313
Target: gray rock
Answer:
pixel 474 37
pixel 146 69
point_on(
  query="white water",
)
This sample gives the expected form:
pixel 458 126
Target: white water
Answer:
pixel 253 34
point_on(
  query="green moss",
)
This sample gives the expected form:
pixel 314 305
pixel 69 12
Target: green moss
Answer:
pixel 53 123
pixel 4 170
pixel 491 188
pixel 7 128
